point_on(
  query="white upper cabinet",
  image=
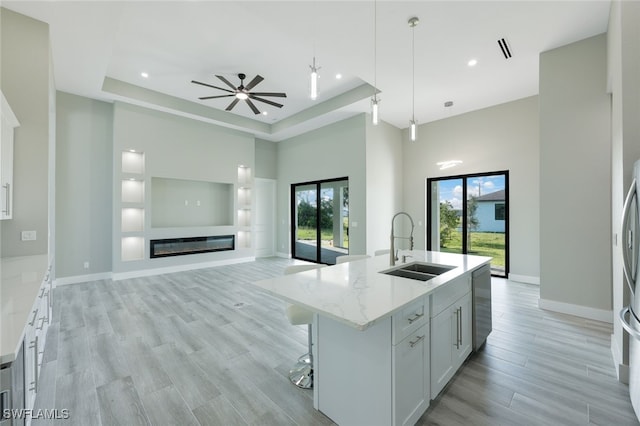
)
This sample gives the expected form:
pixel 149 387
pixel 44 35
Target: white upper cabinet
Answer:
pixel 7 125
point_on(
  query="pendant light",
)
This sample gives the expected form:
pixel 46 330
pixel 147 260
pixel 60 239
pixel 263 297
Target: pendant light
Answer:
pixel 412 23
pixel 374 99
pixel 314 79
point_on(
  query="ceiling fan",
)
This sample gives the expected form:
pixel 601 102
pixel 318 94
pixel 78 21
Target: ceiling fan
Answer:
pixel 243 93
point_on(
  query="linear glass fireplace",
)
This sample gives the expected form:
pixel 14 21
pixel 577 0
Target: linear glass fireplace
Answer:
pixel 192 245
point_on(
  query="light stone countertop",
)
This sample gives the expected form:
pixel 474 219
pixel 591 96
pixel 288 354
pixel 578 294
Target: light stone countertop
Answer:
pixel 21 278
pixel 357 294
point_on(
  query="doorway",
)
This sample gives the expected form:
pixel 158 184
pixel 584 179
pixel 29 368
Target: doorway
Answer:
pixel 469 214
pixel 320 220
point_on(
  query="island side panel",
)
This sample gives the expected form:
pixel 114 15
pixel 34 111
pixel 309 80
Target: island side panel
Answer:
pixel 352 372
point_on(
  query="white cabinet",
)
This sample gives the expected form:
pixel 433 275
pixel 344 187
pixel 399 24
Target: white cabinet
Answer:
pixel 450 332
pixel 8 123
pixel 410 379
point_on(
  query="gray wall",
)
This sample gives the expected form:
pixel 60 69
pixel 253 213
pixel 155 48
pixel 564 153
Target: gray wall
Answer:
pixel 266 159
pixel 180 148
pixel 575 181
pixel 334 151
pixel 623 49
pixel 503 137
pixel 25 66
pixel 384 183
pixel 84 146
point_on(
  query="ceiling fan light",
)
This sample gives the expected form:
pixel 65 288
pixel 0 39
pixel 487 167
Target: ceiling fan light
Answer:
pixel 242 96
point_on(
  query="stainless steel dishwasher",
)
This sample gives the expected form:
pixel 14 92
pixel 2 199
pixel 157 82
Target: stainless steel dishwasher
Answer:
pixel 481 288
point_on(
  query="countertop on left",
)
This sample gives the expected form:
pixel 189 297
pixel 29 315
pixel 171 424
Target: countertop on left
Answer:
pixel 21 277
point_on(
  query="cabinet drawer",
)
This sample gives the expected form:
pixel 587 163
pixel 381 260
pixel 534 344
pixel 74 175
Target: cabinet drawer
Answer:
pixel 449 293
pixel 409 319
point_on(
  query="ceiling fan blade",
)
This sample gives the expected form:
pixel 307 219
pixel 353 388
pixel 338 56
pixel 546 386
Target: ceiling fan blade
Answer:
pixel 214 97
pixel 232 104
pixel 278 95
pixel 257 79
pixel 252 106
pixel 266 101
pixel 215 87
pixel 227 82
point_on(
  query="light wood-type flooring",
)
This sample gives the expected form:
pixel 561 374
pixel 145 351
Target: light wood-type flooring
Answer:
pixel 205 347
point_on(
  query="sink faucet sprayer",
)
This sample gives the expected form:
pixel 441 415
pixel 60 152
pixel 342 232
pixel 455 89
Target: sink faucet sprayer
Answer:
pixel 392 252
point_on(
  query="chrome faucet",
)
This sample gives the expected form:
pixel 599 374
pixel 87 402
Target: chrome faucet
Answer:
pixel 392 252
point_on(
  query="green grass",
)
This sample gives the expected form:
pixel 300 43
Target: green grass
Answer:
pixel 490 244
pixel 309 234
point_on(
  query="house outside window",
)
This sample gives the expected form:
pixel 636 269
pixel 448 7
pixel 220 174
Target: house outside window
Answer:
pixel 499 211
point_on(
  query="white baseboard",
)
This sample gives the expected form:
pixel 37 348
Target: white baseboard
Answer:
pixel 283 255
pixel 525 279
pixel 577 310
pixel 117 276
pixel 622 370
pixel 82 278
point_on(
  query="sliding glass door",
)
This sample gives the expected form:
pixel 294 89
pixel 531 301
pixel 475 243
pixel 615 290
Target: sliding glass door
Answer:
pixel 320 220
pixel 468 214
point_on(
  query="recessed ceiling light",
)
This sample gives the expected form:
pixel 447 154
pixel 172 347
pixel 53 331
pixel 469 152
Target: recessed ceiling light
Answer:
pixel 472 62
pixel 338 76
pixel 448 104
pixel 132 150
pixel 264 113
pixel 144 74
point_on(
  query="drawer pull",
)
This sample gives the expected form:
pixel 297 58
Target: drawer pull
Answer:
pixel 33 320
pixel 415 318
pixel 415 342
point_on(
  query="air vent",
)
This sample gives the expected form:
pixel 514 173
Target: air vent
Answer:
pixel 505 48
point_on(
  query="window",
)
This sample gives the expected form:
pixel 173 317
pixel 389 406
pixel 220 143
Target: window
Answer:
pixel 499 211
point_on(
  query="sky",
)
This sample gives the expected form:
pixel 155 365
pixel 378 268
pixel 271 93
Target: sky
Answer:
pixel 451 189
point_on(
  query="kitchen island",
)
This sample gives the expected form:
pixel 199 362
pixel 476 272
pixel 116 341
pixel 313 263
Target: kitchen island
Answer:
pixel 384 345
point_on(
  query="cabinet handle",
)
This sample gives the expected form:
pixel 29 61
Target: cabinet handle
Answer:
pixel 34 346
pixel 460 325
pixel 33 320
pixel 48 307
pixel 415 318
pixel 41 293
pixel 41 323
pixel 457 329
pixel 415 342
pixel 7 211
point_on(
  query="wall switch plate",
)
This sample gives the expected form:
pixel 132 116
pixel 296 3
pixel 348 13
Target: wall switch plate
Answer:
pixel 86 265
pixel 28 235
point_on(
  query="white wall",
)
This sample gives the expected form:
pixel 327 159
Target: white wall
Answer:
pixel 84 146
pixel 503 137
pixel 266 159
pixel 25 82
pixel 334 151
pixel 575 180
pixel 384 182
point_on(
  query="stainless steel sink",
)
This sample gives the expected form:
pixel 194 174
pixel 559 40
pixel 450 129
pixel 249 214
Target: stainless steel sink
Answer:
pixel 418 270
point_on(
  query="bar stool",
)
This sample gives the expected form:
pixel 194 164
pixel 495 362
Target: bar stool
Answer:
pixel 301 374
pixel 350 258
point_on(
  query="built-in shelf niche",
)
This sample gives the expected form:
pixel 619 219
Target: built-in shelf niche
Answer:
pixel 132 205
pixel 244 217
pixel 132 220
pixel 132 248
pixel 132 191
pixel 244 239
pixel 133 162
pixel 244 196
pixel 244 175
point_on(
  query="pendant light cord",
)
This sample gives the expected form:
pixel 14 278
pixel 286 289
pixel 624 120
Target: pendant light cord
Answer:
pixel 375 49
pixel 413 77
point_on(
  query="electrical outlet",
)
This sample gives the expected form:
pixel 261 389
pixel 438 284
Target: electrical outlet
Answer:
pixel 86 265
pixel 28 235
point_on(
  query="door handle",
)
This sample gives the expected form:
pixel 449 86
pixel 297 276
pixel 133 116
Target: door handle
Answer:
pixel 625 324
pixel 7 210
pixel 626 210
